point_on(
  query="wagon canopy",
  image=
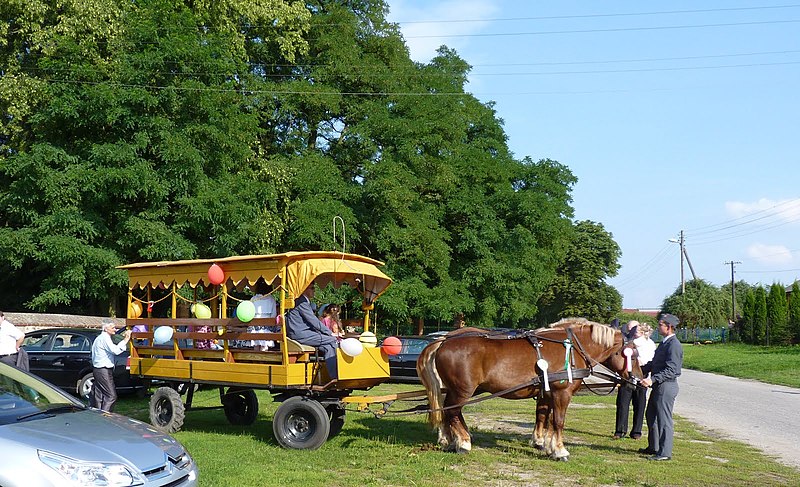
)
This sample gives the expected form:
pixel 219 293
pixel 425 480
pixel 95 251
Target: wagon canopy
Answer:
pixel 301 268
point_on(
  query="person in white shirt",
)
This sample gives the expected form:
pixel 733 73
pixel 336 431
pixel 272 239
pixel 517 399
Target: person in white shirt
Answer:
pixel 645 349
pixel 104 391
pixel 11 339
pixel 266 307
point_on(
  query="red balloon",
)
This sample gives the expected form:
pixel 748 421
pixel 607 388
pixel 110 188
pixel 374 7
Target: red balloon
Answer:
pixel 392 346
pixel 215 274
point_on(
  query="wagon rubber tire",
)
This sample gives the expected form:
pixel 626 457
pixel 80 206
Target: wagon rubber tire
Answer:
pixel 336 414
pixel 301 423
pixel 85 386
pixel 240 406
pixel 167 411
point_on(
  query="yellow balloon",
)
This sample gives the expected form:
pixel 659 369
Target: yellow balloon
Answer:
pixel 134 310
pixel 201 311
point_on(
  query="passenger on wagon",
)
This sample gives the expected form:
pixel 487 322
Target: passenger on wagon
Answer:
pixel 305 327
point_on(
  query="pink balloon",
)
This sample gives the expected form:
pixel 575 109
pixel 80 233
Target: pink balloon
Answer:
pixel 215 274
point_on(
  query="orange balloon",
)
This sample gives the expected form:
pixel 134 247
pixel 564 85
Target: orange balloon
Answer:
pixel 215 274
pixel 392 345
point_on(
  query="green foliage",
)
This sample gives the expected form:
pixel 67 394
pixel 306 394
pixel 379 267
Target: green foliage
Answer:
pixel 760 317
pixel 777 315
pixel 702 305
pixel 160 130
pixel 579 287
pixel 748 316
pixel 794 312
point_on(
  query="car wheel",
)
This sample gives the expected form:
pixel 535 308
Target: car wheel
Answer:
pixel 336 414
pixel 167 411
pixel 301 423
pixel 85 386
pixel 241 406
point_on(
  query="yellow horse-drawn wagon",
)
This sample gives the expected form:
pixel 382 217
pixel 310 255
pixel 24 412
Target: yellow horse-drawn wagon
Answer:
pixel 312 402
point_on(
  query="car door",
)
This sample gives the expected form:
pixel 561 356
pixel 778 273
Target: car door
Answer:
pixel 37 344
pixel 71 355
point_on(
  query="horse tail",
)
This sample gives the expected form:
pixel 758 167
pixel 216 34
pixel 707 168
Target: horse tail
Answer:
pixel 426 370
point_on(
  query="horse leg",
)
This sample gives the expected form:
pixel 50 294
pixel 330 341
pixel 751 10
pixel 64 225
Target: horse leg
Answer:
pixel 560 404
pixel 542 411
pixel 454 421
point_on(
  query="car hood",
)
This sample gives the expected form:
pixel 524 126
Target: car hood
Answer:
pixel 95 436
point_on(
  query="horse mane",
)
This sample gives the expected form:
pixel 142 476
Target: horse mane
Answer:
pixel 601 334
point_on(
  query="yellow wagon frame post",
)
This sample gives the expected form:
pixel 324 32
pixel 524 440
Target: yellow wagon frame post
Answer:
pixel 293 365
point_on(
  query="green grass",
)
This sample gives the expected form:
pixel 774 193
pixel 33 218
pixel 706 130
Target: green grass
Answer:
pixel 400 450
pixel 774 365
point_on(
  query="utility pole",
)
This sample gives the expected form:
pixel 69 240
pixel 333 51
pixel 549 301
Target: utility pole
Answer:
pixel 680 241
pixel 733 290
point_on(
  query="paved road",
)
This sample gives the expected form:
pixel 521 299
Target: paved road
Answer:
pixel 762 415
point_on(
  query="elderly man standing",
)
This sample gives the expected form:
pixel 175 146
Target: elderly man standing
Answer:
pixel 665 369
pixel 104 391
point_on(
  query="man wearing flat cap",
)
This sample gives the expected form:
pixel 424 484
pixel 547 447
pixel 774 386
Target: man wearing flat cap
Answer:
pixel 666 367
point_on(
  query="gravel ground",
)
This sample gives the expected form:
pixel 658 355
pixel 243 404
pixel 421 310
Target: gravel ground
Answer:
pixel 762 415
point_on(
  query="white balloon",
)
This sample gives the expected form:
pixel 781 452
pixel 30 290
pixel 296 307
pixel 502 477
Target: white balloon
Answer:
pixel 351 347
pixel 162 335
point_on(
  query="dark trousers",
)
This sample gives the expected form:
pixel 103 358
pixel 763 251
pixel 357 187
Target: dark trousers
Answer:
pixel 626 395
pixel 104 392
pixel 660 426
pixel 9 359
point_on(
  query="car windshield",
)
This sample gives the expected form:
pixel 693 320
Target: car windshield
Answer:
pixel 22 395
pixel 414 345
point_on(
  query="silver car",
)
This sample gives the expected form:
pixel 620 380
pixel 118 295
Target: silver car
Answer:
pixel 48 438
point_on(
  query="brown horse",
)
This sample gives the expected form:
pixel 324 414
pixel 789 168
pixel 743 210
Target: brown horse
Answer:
pixel 469 362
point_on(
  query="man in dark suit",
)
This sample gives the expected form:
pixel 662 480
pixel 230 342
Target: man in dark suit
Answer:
pixel 303 325
pixel 665 368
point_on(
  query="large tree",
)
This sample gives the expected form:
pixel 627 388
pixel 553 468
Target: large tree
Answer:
pixel 701 305
pixel 165 129
pixel 128 135
pixel 794 312
pixel 760 317
pixel 777 315
pixel 579 288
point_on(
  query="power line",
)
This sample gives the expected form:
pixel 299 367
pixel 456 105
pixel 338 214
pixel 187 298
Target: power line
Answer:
pixel 614 29
pixel 702 230
pixel 586 16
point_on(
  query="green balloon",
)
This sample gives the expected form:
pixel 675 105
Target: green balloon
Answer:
pixel 246 311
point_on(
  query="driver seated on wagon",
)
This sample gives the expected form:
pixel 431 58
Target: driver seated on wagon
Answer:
pixel 303 325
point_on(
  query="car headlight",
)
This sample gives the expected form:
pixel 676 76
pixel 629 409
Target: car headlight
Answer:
pixel 91 473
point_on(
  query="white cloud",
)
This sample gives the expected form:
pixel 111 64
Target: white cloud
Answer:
pixel 763 210
pixel 432 19
pixel 770 254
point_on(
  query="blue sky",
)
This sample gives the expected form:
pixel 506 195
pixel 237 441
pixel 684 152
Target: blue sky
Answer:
pixel 673 116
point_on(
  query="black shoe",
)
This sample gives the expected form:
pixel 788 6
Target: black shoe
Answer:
pixel 659 458
pixel 647 451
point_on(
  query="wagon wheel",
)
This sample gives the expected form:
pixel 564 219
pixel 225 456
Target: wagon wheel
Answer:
pixel 301 423
pixel 241 406
pixel 167 411
pixel 336 413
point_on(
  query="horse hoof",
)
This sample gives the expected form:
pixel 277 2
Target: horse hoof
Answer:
pixel 562 459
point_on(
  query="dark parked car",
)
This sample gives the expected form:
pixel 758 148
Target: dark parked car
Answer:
pixel 63 357
pixel 403 366
pixel 48 438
